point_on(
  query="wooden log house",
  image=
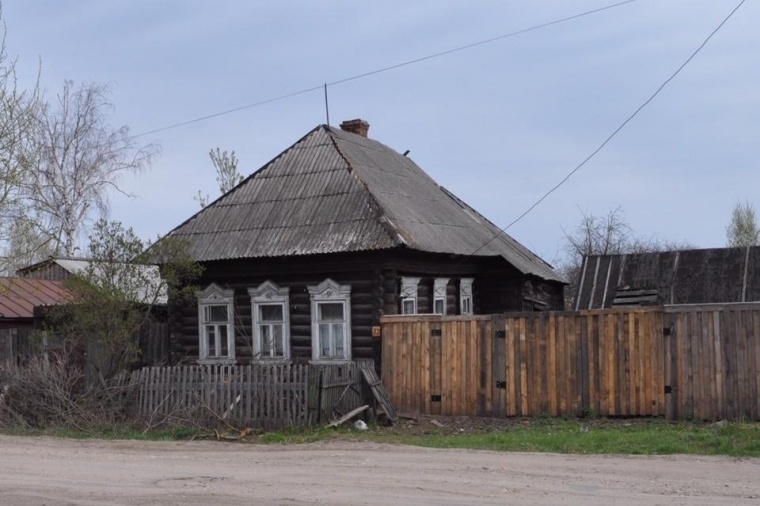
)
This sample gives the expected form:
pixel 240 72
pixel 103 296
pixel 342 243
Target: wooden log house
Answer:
pixel 304 256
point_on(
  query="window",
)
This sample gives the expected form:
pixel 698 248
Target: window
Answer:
pixel 271 321
pixel 465 296
pixel 439 295
pixel 330 321
pixel 215 325
pixel 409 295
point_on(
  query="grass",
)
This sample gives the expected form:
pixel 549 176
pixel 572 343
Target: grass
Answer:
pixel 638 437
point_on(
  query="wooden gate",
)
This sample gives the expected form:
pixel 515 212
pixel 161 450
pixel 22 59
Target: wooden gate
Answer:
pixel 681 362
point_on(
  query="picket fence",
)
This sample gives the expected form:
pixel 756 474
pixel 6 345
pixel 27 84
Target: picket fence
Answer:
pixel 268 396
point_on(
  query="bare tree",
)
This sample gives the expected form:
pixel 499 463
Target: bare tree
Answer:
pixel 227 175
pixel 609 234
pixel 743 230
pixel 18 112
pixel 81 159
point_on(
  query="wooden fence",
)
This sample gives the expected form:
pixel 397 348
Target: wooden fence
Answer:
pixel 263 396
pixel 680 362
pixel 713 361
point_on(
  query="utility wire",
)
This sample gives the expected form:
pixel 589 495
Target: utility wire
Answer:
pixel 379 71
pixel 615 132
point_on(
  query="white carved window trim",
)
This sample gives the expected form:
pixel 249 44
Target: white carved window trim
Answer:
pixel 409 288
pixel 465 296
pixel 270 294
pixel 212 296
pixel 330 292
pixel 439 295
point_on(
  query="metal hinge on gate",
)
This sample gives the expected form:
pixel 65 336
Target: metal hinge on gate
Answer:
pixel 435 332
pixel 435 398
pixel 501 384
pixel 500 334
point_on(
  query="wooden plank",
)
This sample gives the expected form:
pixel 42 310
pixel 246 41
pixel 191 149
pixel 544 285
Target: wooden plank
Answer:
pixel 708 367
pixel 473 361
pixel 415 376
pixel 509 356
pixel 524 409
pixel 436 367
pixel 638 365
pixel 378 390
pixel 610 343
pixel 426 387
pixel 551 373
pixel 590 323
pixel 575 331
pixel 741 363
pixel 728 323
pixel 499 365
pixel 755 372
pixel 754 377
pixel 484 406
pixel 671 407
pixel 719 379
pixel 535 328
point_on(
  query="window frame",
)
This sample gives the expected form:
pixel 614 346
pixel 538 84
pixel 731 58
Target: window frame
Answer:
pixel 328 291
pixel 409 292
pixel 214 295
pixel 465 293
pixel 439 294
pixel 270 294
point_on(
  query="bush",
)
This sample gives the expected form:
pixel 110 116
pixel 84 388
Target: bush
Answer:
pixel 50 391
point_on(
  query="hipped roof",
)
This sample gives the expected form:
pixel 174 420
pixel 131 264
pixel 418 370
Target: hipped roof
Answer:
pixel 335 191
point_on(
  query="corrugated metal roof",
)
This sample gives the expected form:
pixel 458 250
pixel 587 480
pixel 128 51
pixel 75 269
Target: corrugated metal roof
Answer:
pixel 697 276
pixel 19 296
pixel 334 191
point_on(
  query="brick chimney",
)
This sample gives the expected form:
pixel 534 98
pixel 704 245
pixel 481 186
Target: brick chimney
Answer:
pixel 355 126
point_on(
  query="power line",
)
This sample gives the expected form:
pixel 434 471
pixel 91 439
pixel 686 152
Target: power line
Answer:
pixel 615 132
pixel 379 71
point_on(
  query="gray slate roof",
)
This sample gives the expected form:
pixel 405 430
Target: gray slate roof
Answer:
pixel 144 280
pixel 697 276
pixel 335 191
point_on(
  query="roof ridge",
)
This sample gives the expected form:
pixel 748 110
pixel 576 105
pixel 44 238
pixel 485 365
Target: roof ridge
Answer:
pixel 385 222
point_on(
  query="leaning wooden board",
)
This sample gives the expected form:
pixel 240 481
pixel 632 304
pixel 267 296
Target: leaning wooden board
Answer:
pixel 378 390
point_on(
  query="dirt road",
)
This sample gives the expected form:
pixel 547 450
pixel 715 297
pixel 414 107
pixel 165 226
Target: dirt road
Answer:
pixel 42 471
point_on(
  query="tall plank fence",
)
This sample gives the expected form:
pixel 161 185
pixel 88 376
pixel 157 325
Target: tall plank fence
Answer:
pixel 680 362
pixel 269 396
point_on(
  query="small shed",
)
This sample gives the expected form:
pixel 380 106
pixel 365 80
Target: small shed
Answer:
pixel 695 276
pixel 18 298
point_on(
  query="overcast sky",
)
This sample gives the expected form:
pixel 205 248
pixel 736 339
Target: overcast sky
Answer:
pixel 498 124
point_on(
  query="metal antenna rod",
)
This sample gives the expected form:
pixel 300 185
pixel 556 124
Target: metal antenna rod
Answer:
pixel 327 107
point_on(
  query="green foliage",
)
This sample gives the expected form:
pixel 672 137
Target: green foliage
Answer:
pixel 117 293
pixel 646 437
pixel 743 230
pixel 632 437
pixel 227 175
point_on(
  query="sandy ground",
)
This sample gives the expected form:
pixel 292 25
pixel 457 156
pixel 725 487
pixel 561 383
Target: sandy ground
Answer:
pixel 44 471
